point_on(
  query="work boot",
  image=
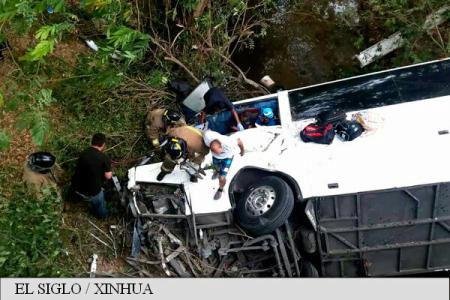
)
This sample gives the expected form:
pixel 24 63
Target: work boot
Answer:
pixel 193 178
pixel 161 176
pixel 201 171
pixel 196 168
pixel 218 194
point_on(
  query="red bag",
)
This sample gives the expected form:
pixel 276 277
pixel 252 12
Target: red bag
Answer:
pixel 320 134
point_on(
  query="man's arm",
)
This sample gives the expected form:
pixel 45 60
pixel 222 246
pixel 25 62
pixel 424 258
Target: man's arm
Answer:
pixel 238 122
pixel 241 146
pixel 107 168
pixel 108 175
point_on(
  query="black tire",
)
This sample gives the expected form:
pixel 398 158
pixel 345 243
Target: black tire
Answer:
pixel 275 216
pixel 308 269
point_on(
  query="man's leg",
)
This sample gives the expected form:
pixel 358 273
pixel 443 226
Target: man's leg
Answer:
pixel 98 205
pixel 216 166
pixel 225 166
pixel 167 167
pixel 198 160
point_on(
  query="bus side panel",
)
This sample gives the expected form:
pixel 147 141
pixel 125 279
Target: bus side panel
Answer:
pixel 389 232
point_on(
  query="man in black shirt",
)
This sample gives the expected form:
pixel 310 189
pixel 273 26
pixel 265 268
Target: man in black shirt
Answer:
pixel 93 168
pixel 216 101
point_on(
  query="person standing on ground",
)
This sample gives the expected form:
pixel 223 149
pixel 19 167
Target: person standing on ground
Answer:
pixel 216 101
pixel 223 148
pixel 93 168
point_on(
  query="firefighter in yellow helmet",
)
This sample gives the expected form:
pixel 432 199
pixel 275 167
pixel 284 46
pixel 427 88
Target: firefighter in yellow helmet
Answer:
pixel 184 144
pixel 193 137
pixel 158 121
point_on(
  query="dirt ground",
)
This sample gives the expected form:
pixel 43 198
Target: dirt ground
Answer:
pixel 70 51
pixel 12 159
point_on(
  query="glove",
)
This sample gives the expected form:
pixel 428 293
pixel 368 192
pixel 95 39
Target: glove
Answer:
pixel 155 143
pixel 240 127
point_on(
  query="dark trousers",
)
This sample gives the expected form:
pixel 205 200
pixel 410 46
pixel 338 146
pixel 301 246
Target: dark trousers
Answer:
pixel 98 205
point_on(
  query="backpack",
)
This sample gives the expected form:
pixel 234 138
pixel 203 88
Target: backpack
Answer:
pixel 330 116
pixel 320 134
pixel 349 130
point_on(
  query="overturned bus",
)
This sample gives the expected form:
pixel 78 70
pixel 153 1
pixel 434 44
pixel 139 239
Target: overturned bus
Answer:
pixel 376 206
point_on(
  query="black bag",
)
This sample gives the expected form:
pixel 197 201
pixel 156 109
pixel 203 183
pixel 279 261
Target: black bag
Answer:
pixel 330 116
pixel 320 134
pixel 349 130
pixel 181 88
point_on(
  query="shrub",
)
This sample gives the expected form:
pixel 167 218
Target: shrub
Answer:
pixel 30 243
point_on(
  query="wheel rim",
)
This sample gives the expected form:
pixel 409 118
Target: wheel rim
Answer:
pixel 260 200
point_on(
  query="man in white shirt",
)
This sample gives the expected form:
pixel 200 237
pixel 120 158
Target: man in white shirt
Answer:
pixel 223 149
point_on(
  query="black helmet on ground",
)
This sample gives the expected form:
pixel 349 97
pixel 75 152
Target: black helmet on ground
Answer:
pixel 171 116
pixel 41 162
pixel 176 148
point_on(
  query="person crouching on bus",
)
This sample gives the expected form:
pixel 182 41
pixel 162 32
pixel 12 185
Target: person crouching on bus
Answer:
pixel 223 149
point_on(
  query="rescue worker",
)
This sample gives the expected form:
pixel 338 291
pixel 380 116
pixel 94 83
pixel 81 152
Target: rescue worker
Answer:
pixel 186 143
pixel 39 172
pixel 216 102
pixel 196 148
pixel 158 121
pixel 93 168
pixel 223 149
pixel 174 150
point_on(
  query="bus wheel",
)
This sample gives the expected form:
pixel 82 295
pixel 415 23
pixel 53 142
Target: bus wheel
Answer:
pixel 265 206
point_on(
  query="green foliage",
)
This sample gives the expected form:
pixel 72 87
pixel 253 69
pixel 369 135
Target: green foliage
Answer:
pixel 34 103
pixel 44 98
pixel 53 31
pixel 48 35
pixel 126 43
pixel 189 5
pixel 4 141
pixel 238 6
pixel 37 122
pixel 30 243
pixel 36 119
pixel 378 19
pixel 203 45
pixel 22 14
pixel 57 5
pixel 158 78
pixel 111 11
pixel 42 49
